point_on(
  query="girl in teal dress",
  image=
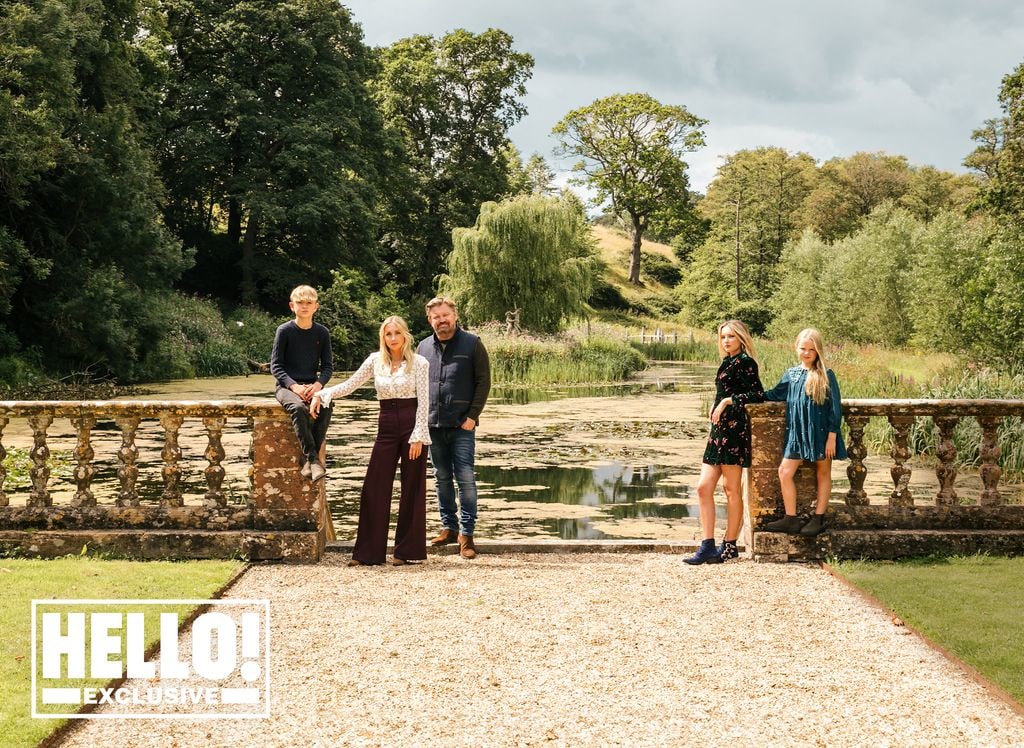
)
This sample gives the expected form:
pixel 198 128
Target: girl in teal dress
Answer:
pixel 813 418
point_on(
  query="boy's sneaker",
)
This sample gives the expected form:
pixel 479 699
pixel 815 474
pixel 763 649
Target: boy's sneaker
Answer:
pixel 317 471
pixel 728 550
pixel 706 554
pixel 307 469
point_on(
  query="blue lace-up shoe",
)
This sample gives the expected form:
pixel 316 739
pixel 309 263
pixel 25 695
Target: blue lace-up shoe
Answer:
pixel 706 554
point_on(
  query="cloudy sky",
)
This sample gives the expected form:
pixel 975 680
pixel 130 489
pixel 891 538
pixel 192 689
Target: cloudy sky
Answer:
pixel 826 77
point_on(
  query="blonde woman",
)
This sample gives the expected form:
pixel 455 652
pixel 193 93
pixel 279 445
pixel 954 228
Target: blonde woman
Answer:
pixel 813 418
pixel 401 378
pixel 728 449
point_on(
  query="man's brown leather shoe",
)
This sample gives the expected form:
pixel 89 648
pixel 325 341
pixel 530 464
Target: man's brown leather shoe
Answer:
pixel 445 537
pixel 466 548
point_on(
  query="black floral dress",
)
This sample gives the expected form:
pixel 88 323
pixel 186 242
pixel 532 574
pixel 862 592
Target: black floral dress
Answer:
pixel 729 440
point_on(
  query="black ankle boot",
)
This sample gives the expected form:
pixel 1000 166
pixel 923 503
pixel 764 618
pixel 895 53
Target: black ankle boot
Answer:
pixel 815 526
pixel 706 554
pixel 728 550
pixel 790 523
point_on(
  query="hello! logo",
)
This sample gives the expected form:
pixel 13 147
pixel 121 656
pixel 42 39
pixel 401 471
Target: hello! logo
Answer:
pixel 93 654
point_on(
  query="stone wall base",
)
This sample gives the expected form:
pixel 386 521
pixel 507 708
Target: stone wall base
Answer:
pixel 774 547
pixel 286 547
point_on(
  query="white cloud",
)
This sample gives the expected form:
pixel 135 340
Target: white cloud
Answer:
pixel 911 78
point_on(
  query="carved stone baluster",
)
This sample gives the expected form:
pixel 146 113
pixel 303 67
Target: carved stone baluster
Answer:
pixel 250 423
pixel 128 471
pixel 172 456
pixel 990 470
pixel 856 471
pixel 900 453
pixel 84 471
pixel 945 471
pixel 214 454
pixel 4 501
pixel 39 453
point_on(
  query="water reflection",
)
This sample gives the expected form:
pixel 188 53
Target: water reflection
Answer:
pixel 607 495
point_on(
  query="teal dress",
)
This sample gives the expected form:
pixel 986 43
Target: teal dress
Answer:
pixel 807 423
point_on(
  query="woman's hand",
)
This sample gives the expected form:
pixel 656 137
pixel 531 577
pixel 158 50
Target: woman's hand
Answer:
pixel 717 412
pixel 314 405
pixel 415 448
pixel 830 446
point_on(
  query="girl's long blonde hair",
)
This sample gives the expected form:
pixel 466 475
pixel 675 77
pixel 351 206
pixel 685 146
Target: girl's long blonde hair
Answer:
pixel 740 331
pixel 816 385
pixel 384 360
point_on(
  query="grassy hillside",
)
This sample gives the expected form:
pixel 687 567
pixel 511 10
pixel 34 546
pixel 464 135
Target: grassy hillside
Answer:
pixel 650 305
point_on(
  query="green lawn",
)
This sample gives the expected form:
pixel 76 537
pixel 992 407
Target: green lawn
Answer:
pixel 972 606
pixel 24 580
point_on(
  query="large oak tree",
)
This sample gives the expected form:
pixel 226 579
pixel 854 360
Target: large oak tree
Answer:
pixel 631 151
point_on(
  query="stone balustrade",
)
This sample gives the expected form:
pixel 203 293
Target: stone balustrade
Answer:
pixel 895 523
pixel 283 517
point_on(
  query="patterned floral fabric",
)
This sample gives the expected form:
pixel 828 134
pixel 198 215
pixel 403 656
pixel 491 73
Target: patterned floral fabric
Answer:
pixel 729 440
pixel 399 385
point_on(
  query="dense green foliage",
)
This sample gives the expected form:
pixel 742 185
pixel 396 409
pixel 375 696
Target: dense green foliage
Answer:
pixel 269 143
pixel 169 169
pixel 450 102
pixel 529 255
pixel 769 210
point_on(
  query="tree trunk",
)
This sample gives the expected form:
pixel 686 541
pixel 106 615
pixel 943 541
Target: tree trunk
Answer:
pixel 248 286
pixel 234 221
pixel 634 257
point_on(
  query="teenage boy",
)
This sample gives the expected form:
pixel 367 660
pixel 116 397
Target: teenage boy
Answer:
pixel 301 364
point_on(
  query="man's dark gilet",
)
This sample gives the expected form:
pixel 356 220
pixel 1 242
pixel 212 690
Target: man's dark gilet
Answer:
pixel 452 381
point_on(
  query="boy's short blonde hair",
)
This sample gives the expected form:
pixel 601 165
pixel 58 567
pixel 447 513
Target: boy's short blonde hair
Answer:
pixel 303 293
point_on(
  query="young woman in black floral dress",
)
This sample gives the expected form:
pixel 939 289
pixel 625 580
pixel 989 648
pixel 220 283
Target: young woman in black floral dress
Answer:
pixel 728 451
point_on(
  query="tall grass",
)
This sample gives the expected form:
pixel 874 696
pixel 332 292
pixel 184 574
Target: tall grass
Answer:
pixel 538 361
pixel 687 350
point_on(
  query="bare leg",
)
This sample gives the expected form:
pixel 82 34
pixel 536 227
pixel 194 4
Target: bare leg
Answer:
pixel 824 476
pixel 787 473
pixel 732 476
pixel 709 475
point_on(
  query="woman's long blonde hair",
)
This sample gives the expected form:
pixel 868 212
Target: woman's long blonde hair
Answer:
pixel 816 385
pixel 740 331
pixel 384 360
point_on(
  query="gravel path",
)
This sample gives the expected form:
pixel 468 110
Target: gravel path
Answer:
pixel 599 649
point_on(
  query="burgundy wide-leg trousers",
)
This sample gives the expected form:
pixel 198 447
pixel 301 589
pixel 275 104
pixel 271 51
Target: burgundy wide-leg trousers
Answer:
pixel 394 427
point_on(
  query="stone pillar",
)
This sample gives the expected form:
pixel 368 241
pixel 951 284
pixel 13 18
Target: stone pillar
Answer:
pixel 289 513
pixel 768 429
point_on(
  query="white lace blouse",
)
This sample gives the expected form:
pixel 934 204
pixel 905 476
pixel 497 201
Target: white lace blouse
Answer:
pixel 391 386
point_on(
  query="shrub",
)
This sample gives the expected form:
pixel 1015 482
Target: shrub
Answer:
pixel 659 268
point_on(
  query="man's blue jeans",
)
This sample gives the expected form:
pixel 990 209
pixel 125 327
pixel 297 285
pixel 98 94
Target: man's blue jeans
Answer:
pixel 451 454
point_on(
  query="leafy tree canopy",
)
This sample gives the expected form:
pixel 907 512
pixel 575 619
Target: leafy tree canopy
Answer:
pixel 631 151
pixel 530 255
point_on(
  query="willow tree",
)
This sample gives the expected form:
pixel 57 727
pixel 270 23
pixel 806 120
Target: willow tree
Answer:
pixel 631 150
pixel 530 255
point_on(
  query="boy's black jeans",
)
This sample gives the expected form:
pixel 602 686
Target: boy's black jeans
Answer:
pixel 311 432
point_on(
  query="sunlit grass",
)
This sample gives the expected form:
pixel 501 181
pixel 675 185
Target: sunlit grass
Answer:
pixel 972 606
pixel 24 580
